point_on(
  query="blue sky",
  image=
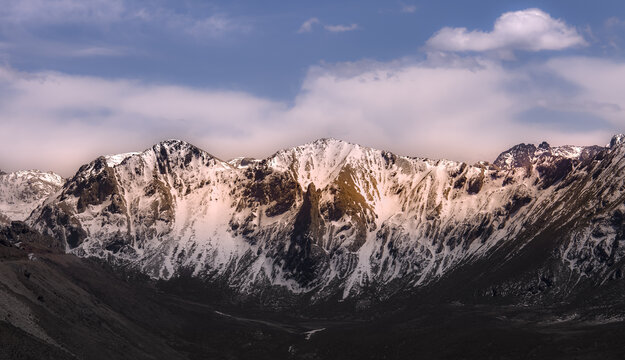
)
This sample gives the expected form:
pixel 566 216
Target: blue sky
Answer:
pixel 252 46
pixel 454 79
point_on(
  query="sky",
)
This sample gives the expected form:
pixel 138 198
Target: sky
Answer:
pixel 441 79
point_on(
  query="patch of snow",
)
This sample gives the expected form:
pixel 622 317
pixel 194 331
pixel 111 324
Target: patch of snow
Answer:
pixel 309 334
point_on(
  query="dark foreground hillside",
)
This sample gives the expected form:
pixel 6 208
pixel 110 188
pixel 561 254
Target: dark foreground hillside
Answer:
pixel 58 306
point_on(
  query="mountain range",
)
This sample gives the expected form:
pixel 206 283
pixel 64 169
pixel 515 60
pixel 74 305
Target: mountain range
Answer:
pixel 333 226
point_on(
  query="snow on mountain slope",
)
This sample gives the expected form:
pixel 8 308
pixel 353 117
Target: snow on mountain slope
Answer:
pixel 116 159
pixel 242 162
pixel 328 216
pixel 22 191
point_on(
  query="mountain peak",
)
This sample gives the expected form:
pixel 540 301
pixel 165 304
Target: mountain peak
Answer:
pixel 173 142
pixel 517 156
pixel 163 147
pixel 544 145
pixel 616 140
pixel 169 147
pixel 524 155
pixel 325 142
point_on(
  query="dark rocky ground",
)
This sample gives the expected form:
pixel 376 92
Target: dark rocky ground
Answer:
pixel 58 306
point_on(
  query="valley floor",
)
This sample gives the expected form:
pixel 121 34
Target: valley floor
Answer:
pixel 56 306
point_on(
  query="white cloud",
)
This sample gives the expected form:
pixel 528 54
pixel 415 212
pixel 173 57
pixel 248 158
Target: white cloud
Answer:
pixel 341 28
pixel 529 30
pixel 307 26
pixel 73 118
pixel 463 111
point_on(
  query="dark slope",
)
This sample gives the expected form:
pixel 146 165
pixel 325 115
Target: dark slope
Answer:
pixel 62 307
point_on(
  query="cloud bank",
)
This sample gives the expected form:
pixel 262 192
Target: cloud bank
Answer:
pixel 528 30
pixel 465 112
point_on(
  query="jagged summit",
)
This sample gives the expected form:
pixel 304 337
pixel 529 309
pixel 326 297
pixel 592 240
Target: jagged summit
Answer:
pixel 175 145
pixel 173 142
pixel 166 151
pixel 327 140
pixel 322 160
pixel 171 149
pixel 521 155
pixel 163 148
pixel 178 147
pixel 527 155
pixel 517 156
pixel 317 144
pixel 616 140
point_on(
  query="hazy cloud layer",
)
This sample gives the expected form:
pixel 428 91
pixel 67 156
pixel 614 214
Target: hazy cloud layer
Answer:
pixel 529 30
pixel 22 21
pixel 466 107
pixel 467 111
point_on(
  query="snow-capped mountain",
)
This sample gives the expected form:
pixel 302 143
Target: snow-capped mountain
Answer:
pixel 334 217
pixel 22 191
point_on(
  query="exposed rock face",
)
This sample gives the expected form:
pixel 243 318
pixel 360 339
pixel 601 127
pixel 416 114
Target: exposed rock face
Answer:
pixel 331 216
